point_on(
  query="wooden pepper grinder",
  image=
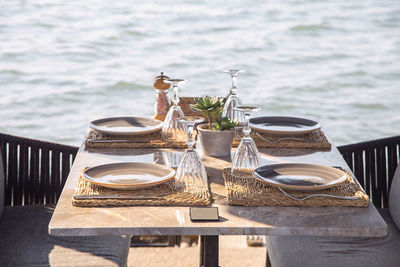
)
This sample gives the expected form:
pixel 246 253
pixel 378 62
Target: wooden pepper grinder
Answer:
pixel 162 104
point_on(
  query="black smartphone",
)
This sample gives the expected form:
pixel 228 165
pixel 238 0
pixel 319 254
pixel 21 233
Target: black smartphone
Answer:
pixel 204 214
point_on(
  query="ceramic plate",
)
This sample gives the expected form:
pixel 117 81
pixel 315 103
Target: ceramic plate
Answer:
pixel 129 175
pixel 299 176
pixel 126 125
pixel 283 125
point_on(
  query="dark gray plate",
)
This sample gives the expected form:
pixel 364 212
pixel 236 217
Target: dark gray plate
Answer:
pixel 283 125
pixel 126 125
pixel 300 176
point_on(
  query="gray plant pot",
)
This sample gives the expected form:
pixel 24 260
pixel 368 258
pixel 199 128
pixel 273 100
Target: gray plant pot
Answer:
pixel 215 143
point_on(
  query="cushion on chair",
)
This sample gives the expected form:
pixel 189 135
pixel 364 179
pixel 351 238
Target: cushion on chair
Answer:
pixel 310 251
pixel 24 241
pixel 394 198
pixel 2 182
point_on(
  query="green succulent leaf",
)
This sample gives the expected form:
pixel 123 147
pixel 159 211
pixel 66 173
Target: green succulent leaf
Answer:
pixel 224 124
pixel 209 107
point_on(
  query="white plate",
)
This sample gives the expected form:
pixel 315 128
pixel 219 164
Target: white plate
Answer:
pixel 129 175
pixel 126 125
pixel 283 125
pixel 300 176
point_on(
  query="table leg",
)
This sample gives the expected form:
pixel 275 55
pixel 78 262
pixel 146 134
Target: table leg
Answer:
pixel 209 251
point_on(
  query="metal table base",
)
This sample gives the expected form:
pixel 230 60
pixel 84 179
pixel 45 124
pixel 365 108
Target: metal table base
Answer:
pixel 209 251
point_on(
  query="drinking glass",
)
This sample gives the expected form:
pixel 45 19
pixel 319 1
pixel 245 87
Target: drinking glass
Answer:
pixel 246 156
pixel 191 171
pixel 173 130
pixel 233 100
pixel 169 158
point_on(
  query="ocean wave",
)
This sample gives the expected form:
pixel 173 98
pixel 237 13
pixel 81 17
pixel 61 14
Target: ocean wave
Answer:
pixel 370 106
pixel 11 72
pixel 123 85
pixel 311 27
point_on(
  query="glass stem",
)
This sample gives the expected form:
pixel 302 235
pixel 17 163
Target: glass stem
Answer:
pixel 234 87
pixel 190 140
pixel 246 128
pixel 175 100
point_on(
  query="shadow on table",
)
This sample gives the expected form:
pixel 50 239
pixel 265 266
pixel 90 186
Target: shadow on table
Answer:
pixel 287 152
pixel 291 220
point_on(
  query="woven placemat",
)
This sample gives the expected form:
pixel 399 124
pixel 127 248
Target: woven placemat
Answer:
pixel 315 139
pixel 96 139
pixel 245 190
pixel 90 195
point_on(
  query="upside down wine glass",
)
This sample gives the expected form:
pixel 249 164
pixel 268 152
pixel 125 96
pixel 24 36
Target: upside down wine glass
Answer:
pixel 246 156
pixel 173 130
pixel 233 100
pixel 191 171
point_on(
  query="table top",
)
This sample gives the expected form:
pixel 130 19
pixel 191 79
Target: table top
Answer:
pixel 68 220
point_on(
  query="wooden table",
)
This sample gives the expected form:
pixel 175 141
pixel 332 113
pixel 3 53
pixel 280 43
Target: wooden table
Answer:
pixel 235 220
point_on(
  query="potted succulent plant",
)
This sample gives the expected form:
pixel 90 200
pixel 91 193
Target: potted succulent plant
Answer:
pixel 216 137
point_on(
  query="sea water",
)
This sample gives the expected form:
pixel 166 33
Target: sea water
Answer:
pixel 64 63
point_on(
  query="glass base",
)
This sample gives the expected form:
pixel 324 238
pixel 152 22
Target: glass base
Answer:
pixel 229 109
pixel 172 129
pixel 246 156
pixel 191 172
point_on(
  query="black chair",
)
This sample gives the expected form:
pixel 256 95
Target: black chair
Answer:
pixel 32 175
pixel 375 164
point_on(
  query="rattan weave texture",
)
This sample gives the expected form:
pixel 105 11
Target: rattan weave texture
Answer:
pixel 244 190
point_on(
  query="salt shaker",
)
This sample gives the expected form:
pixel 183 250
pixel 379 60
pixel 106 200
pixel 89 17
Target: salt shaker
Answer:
pixel 162 103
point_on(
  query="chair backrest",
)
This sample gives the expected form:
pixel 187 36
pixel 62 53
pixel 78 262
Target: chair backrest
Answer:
pixel 374 164
pixel 394 197
pixel 2 182
pixel 35 170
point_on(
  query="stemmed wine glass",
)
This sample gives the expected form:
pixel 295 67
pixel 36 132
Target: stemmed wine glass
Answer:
pixel 233 100
pixel 190 169
pixel 173 130
pixel 246 156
